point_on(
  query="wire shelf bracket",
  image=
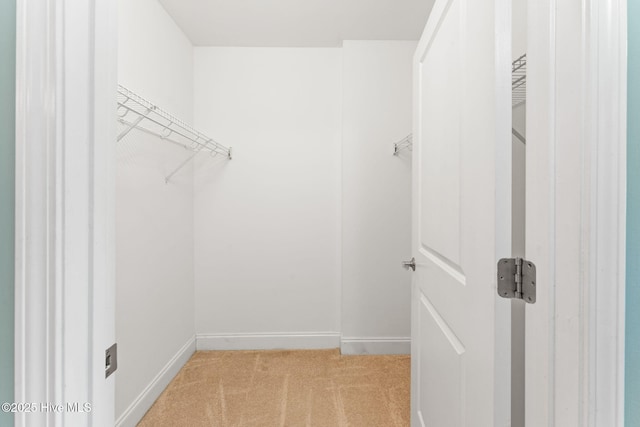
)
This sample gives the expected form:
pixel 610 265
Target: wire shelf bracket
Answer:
pixel 133 124
pixel 405 143
pixel 135 112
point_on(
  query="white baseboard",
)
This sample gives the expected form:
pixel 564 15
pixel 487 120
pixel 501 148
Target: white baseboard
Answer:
pixel 134 413
pixel 375 345
pixel 268 341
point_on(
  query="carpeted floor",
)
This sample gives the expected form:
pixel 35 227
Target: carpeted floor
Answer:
pixel 285 388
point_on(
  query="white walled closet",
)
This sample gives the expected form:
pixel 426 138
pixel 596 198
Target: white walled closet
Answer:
pixel 297 241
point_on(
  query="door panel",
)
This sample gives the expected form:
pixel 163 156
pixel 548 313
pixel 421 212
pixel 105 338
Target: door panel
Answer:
pixel 442 363
pixel 439 78
pixel 460 328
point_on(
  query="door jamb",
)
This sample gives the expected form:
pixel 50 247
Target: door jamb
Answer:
pixel 600 48
pixel 65 187
pixel 606 132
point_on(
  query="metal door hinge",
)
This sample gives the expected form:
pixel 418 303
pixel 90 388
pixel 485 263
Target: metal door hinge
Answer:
pixel 517 279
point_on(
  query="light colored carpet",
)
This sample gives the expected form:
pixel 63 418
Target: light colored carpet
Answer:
pixel 285 388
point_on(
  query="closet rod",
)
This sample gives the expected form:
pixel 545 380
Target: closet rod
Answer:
pixel 404 143
pixel 136 112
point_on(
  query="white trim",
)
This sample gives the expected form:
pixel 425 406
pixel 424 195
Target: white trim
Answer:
pixel 503 218
pixel 64 260
pixel 103 224
pixel 34 122
pixel 606 138
pixel 139 407
pixel 577 136
pixel 375 345
pixel 540 223
pixel 268 341
pixel 621 61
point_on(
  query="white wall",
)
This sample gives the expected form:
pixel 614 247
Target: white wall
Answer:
pixel 154 240
pixel 268 222
pixel 376 198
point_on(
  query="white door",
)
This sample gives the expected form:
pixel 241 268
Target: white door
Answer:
pixel 461 216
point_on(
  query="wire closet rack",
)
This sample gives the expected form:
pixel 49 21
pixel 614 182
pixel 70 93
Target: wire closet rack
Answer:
pixel 519 81
pixel 405 143
pixel 135 112
pixel 519 89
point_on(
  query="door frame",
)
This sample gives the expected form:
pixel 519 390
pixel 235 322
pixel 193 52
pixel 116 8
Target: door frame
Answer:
pixel 564 39
pixel 51 223
pixel 607 122
pixel 65 216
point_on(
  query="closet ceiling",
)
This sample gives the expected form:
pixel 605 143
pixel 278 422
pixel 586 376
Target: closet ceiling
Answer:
pixel 297 23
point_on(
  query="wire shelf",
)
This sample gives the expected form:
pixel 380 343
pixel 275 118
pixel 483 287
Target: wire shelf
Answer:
pixel 519 81
pixel 136 112
pixel 405 143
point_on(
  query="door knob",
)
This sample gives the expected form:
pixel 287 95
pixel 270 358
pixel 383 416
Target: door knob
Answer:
pixel 410 264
